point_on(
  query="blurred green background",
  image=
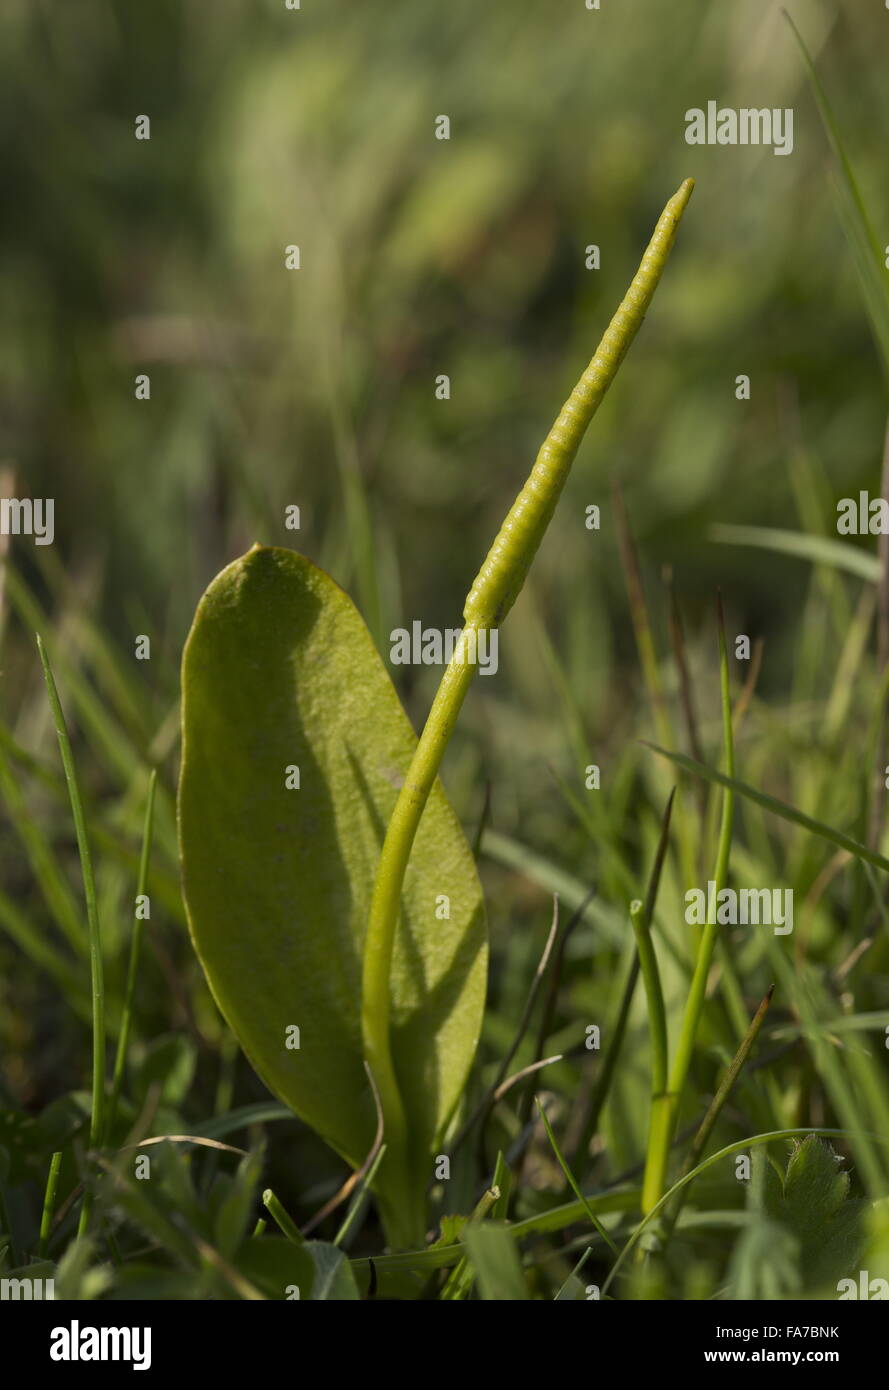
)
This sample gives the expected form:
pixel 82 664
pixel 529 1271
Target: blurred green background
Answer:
pixel 316 387
pixel 420 257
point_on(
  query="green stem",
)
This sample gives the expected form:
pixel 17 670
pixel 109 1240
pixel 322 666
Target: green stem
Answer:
pixel 716 1105
pixel 385 905
pixel 97 1116
pixel 282 1220
pixel 123 1040
pixel 492 595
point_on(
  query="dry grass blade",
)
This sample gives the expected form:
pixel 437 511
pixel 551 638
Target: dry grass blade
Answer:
pixel 184 1139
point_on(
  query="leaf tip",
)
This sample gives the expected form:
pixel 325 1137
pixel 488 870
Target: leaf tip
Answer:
pixel 680 198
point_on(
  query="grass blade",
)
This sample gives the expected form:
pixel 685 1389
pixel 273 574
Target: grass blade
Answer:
pixel 866 249
pixel 587 1127
pixel 359 1197
pixel 562 1294
pixel 49 1204
pixel 666 1107
pixel 778 808
pixel 657 1019
pixel 820 550
pixel 135 953
pixel 572 1181
pixel 716 1105
pixel 496 1264
pixel 97 1116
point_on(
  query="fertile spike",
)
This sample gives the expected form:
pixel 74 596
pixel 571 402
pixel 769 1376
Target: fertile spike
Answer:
pixel 504 571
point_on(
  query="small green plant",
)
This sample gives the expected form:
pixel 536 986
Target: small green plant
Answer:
pixel 297 756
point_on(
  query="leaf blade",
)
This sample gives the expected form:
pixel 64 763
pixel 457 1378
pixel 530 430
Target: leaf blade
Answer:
pixel 280 671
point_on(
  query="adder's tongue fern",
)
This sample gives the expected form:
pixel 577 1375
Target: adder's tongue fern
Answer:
pixel 495 590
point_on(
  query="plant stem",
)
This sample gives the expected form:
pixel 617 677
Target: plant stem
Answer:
pixel 281 1218
pixel 97 1116
pixel 496 588
pixel 385 904
pixel 714 1109
pixel 123 1040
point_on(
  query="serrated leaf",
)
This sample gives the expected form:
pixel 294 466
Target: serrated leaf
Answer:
pixel 876 1259
pixel 280 671
pixel 814 1185
pixel 816 1208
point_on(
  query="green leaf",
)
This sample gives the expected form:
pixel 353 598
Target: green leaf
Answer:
pixel 153 1207
pixel 333 1277
pixel 404 1276
pixel 280 671
pixel 233 1214
pixel 494 1257
pixel 277 1267
pixel 450 1228
pixel 261 1113
pixel 815 1206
